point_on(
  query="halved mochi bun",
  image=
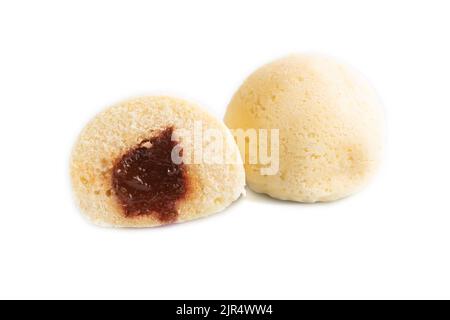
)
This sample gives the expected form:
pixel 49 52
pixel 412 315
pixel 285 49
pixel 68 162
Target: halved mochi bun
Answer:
pixel 152 161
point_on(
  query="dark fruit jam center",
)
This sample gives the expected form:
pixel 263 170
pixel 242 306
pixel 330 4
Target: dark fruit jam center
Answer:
pixel 146 181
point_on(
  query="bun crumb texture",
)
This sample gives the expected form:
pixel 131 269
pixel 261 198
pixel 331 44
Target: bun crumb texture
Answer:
pixel 129 141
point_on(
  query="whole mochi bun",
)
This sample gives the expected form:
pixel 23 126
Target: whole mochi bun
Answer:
pixel 138 123
pixel 330 121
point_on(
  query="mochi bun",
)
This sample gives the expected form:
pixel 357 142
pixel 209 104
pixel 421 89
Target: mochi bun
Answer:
pixel 330 123
pixel 123 171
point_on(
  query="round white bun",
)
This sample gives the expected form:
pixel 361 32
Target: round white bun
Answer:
pixel 330 121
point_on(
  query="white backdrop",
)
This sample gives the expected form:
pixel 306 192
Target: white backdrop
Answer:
pixel 61 62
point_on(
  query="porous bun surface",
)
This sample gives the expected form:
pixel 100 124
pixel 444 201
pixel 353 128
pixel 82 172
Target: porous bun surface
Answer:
pixel 118 129
pixel 330 121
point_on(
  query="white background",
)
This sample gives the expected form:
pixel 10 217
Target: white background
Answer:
pixel 61 62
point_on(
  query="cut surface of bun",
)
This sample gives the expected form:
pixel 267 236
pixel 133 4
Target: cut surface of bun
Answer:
pixel 127 146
